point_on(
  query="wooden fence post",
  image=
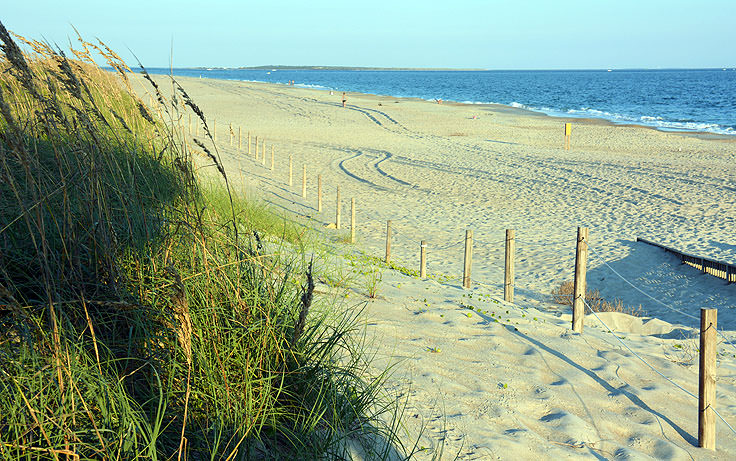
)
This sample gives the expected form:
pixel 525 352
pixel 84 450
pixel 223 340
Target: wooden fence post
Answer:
pixel 707 381
pixel 319 193
pixel 352 220
pixel 581 264
pixel 388 241
pixel 423 260
pixel 304 181
pixel 291 172
pixel 272 157
pixel 338 211
pixel 468 262
pixel 508 277
pixel 249 143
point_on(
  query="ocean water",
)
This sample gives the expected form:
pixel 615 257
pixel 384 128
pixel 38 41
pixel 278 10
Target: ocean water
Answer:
pixel 690 99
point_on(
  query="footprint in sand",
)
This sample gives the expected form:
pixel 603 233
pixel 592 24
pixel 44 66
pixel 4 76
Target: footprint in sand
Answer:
pixel 575 429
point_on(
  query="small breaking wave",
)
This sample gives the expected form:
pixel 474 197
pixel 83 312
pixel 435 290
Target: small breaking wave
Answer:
pixel 312 87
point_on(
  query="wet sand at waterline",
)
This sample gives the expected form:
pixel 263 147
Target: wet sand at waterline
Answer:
pixel 511 380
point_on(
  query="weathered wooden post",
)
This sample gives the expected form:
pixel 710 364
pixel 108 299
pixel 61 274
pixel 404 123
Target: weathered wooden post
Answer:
pixel 581 263
pixel 272 162
pixel 304 180
pixel 319 193
pixel 338 211
pixel 352 220
pixel 707 381
pixel 508 277
pixel 568 133
pixel 249 143
pixel 423 260
pixel 388 241
pixel 468 262
pixel 291 172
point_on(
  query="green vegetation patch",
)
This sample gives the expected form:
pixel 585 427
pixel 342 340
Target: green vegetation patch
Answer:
pixel 145 313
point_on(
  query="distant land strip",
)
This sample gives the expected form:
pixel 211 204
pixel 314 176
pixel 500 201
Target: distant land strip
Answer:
pixel 429 69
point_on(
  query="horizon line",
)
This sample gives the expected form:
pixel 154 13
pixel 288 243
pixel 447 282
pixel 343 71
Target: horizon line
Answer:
pixel 436 69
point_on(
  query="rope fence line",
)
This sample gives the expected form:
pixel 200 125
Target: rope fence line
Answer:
pixel 448 246
pixel 493 244
pixel 706 434
pixel 727 340
pixel 635 354
pixel 478 242
pixel 651 367
pixel 546 243
pixel 637 288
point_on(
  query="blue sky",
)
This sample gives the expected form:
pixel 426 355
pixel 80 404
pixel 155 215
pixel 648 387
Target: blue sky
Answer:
pixel 491 34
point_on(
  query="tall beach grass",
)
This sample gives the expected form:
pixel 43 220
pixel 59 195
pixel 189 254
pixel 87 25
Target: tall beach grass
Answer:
pixel 145 313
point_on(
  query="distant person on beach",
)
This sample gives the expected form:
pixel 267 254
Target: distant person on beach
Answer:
pixel 439 101
pixel 344 98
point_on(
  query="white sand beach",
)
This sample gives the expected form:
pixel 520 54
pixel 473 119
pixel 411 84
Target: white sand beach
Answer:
pixel 501 380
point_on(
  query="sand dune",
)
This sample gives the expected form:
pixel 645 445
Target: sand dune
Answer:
pixel 511 381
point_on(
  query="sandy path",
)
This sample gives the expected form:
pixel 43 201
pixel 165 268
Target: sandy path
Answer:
pixel 525 387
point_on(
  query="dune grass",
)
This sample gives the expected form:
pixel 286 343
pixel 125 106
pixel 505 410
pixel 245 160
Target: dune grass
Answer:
pixel 145 312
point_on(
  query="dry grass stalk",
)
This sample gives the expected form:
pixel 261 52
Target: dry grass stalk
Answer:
pixel 564 294
pixel 306 302
pixel 68 453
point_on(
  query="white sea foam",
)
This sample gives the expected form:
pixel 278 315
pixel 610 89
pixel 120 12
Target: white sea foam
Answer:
pixel 646 120
pixel 313 87
pixel 654 121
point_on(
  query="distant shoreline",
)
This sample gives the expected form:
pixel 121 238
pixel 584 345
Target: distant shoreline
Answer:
pixel 454 69
pixel 515 109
